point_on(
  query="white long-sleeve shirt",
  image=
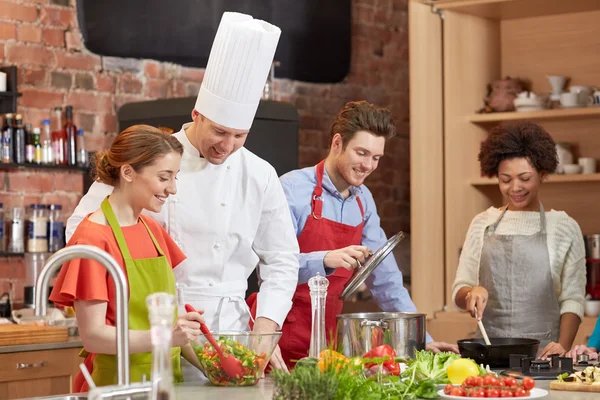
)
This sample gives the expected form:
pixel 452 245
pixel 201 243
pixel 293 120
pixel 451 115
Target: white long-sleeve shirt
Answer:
pixel 565 247
pixel 228 219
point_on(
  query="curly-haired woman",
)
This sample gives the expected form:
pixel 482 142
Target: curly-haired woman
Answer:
pixel 521 266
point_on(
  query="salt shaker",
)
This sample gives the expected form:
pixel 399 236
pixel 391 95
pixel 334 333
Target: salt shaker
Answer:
pixel 318 295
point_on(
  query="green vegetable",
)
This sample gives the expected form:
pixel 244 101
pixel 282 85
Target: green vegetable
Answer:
pixel 308 383
pixel 429 366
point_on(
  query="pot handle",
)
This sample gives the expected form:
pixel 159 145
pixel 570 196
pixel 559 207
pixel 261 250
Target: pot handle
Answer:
pixel 379 324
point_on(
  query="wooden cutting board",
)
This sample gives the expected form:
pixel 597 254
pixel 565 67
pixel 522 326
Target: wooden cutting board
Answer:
pixel 11 335
pixel 575 386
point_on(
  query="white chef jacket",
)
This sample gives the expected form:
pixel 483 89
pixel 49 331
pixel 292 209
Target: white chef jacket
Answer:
pixel 228 219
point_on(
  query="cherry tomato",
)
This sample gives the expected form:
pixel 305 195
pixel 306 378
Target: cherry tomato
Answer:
pixel 528 383
pixel 469 381
pixel 458 391
pixel 506 393
pixel 520 392
pixel 511 382
pixel 491 380
pixel 448 388
pixel 493 392
pixel 477 381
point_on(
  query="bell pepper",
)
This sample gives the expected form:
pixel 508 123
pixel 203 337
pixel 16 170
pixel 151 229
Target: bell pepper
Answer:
pixel 388 354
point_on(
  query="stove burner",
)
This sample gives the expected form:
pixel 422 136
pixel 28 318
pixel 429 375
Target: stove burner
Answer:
pixel 540 364
pixel 521 366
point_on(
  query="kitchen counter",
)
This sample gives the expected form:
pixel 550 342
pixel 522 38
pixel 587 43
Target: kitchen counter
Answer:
pixel 264 390
pixel 70 343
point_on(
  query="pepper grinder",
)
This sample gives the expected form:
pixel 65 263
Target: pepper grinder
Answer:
pixel 161 313
pixel 318 295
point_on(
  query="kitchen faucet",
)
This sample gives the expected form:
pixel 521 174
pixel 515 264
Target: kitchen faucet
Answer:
pixel 118 276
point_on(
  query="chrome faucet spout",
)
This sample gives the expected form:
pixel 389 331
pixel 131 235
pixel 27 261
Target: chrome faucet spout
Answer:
pixel 121 292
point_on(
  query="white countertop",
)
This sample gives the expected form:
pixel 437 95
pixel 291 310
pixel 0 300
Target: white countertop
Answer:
pixel 264 390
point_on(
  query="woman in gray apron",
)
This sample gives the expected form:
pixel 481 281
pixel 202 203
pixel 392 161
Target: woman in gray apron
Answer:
pixel 523 268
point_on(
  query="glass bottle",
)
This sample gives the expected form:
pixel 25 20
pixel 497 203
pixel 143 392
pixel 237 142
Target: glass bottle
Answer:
pixel 29 149
pixel 46 142
pixel 15 230
pixel 37 147
pixel 82 155
pixel 318 295
pixel 56 228
pixel 37 228
pixel 7 139
pixel 59 137
pixel 71 134
pixel 19 140
pixel 2 238
pixel 161 313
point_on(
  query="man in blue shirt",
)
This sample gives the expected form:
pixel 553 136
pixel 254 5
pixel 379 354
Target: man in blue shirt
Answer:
pixel 336 222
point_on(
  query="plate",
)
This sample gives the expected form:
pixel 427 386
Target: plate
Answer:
pixel 536 393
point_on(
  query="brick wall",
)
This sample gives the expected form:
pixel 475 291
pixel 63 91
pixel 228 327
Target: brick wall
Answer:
pixel 42 38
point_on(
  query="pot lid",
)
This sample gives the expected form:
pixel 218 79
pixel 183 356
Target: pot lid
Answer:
pixel 363 272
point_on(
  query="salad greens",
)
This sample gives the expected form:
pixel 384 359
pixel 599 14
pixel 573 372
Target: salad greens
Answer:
pixel 308 382
pixel 252 363
pixel 429 366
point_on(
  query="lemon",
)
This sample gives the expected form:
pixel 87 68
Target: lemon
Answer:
pixel 460 369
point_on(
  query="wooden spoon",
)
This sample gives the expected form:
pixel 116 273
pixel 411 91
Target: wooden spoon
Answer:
pixel 482 329
pixel 231 365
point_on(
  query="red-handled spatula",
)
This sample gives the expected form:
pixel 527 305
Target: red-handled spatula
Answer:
pixel 231 365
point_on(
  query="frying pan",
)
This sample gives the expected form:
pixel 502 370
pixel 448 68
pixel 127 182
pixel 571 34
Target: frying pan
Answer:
pixel 497 355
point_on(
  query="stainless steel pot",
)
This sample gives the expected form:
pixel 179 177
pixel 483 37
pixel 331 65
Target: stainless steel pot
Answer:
pixel 592 246
pixel 358 333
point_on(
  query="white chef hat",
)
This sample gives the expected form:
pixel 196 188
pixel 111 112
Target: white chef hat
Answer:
pixel 238 65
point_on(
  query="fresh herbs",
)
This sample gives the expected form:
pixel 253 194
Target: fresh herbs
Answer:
pixel 311 383
pixel 429 366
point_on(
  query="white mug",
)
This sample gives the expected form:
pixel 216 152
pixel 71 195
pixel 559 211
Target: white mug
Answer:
pixel 588 165
pixel 2 81
pixel 569 99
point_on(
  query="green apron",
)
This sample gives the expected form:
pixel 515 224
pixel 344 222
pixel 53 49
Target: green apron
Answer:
pixel 145 276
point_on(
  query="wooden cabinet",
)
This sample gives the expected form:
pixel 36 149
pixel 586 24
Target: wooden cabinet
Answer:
pixel 38 373
pixel 456 48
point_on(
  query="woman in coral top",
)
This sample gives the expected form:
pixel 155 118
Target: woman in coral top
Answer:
pixel 142 165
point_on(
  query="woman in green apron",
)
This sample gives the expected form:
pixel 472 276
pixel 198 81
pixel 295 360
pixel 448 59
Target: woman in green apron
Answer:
pixel 522 266
pixel 142 165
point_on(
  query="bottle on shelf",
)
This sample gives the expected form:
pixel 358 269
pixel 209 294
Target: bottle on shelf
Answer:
pixel 37 228
pixel 19 140
pixel 71 133
pixel 82 155
pixel 56 228
pixel 37 147
pixel 2 238
pixel 59 137
pixel 15 230
pixel 7 139
pixel 29 148
pixel 46 142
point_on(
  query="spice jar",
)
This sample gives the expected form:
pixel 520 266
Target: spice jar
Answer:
pixel 15 230
pixel 37 228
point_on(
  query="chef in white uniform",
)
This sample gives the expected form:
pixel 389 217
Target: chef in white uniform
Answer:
pixel 230 214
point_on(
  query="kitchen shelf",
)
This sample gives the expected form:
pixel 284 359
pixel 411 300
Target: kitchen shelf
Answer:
pixel 5 166
pixel 513 9
pixel 559 113
pixel 10 94
pixel 555 178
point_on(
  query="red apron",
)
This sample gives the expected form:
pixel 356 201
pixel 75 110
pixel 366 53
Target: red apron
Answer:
pixel 319 234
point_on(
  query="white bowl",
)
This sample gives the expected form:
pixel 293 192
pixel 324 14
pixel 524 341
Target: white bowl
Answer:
pixel 571 169
pixel 592 308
